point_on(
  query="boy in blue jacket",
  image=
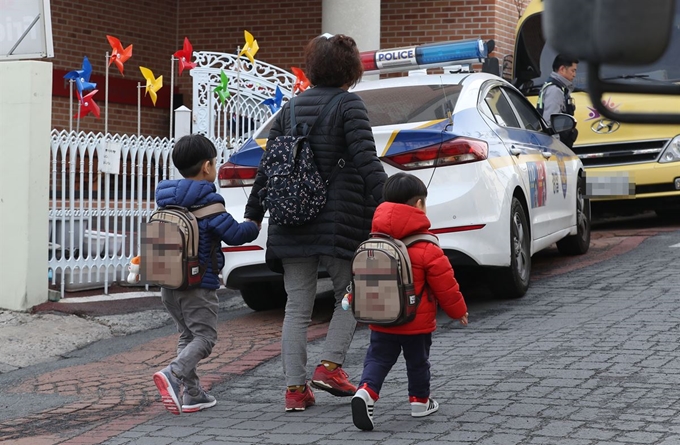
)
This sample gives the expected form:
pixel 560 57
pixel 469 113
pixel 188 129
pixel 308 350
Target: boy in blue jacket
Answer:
pixel 195 310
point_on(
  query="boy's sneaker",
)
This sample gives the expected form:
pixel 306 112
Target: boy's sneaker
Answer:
pixel 421 407
pixel 168 385
pixel 335 382
pixel 362 410
pixel 202 400
pixel 298 401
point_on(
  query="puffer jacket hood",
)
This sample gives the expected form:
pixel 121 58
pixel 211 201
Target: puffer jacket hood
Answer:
pixel 193 195
pixel 432 271
pixel 187 193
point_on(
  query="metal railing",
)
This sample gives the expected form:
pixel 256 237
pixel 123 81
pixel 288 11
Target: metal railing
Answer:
pixel 94 217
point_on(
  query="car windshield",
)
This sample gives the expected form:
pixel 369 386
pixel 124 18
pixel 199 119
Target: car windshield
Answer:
pixel 408 104
pixel 666 69
pixel 390 106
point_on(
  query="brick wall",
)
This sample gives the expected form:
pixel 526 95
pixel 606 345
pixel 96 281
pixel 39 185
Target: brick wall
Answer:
pixel 157 29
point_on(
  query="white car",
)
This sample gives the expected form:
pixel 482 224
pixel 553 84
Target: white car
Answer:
pixel 501 186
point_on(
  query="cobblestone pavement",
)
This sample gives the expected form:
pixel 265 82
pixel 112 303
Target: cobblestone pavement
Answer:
pixel 589 356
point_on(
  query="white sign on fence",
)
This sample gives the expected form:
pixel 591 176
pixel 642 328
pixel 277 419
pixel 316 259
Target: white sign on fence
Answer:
pixel 25 29
pixel 110 162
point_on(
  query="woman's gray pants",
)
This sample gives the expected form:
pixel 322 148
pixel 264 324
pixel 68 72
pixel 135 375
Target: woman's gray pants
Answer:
pixel 300 280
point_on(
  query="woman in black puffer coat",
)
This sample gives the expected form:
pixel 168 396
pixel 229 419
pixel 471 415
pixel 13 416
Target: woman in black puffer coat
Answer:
pixel 333 65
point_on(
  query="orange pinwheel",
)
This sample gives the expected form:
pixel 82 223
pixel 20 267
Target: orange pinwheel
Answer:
pixel 118 54
pixel 184 56
pixel 301 81
pixel 250 48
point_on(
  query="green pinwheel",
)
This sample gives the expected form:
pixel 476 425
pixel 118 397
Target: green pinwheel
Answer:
pixel 222 89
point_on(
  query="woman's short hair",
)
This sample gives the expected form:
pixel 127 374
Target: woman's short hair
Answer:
pixel 333 61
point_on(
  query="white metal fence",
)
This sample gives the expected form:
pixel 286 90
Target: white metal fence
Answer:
pixel 94 217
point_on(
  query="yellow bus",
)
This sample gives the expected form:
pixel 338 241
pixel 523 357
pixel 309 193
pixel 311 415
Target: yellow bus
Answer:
pixel 639 163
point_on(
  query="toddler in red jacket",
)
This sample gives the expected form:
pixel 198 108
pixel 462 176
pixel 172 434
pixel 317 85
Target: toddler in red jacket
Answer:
pixel 403 214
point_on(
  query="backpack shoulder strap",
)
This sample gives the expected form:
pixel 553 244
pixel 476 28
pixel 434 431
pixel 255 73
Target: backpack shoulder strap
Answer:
pixel 204 212
pixel 418 237
pixel 209 210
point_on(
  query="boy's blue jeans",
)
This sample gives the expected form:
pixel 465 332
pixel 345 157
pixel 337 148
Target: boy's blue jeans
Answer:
pixel 383 353
pixel 195 314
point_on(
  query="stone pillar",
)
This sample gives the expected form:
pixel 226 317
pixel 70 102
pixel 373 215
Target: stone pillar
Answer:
pixel 25 124
pixel 182 128
pixel 359 19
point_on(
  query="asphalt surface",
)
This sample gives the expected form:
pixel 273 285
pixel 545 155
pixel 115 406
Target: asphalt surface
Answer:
pixel 589 356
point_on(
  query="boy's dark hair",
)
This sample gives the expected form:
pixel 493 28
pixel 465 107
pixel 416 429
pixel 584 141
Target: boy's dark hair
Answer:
pixel 403 188
pixel 333 61
pixel 190 152
pixel 561 60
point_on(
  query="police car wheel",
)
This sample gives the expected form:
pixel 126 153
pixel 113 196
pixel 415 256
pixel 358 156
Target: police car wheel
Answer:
pixel 580 243
pixel 264 296
pixel 513 281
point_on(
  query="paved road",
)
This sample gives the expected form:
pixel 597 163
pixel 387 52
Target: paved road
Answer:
pixel 589 356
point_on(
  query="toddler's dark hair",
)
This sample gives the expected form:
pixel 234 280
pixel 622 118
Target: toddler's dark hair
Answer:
pixel 190 152
pixel 404 188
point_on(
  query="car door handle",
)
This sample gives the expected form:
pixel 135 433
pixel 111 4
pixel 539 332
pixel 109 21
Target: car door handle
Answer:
pixel 546 154
pixel 515 151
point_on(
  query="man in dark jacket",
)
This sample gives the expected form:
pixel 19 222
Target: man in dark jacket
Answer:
pixel 333 65
pixel 555 95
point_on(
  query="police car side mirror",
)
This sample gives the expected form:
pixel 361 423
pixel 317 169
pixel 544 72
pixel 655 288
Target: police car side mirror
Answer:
pixel 562 122
pixel 617 32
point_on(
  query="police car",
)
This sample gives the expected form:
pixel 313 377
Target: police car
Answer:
pixel 501 186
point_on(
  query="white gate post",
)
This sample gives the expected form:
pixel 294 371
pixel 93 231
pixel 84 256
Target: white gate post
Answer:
pixel 182 128
pixel 25 120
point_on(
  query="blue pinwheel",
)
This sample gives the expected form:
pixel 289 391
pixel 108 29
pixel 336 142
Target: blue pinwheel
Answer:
pixel 274 103
pixel 82 77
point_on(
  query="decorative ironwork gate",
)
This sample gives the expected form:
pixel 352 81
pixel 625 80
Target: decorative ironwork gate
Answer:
pixel 230 124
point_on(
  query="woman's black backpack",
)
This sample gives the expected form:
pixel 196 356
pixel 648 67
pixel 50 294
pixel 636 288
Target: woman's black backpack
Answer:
pixel 295 192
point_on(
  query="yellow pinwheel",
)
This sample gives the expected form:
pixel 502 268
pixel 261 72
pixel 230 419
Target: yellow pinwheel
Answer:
pixel 250 48
pixel 153 84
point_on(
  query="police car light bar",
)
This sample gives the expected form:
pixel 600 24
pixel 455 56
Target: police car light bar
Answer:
pixel 431 55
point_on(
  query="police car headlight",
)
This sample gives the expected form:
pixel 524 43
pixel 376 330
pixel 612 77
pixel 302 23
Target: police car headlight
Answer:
pixel 672 152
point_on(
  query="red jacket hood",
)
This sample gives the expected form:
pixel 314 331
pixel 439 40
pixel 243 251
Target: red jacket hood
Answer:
pixel 399 220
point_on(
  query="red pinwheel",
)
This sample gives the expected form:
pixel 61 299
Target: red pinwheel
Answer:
pixel 184 56
pixel 118 54
pixel 87 105
pixel 301 81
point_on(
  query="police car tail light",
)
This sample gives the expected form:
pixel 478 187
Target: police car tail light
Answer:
pixel 451 152
pixel 431 55
pixel 232 175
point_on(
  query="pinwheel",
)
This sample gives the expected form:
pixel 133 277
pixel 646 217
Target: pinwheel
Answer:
pixel 118 54
pixel 222 89
pixel 250 48
pixel 274 103
pixel 301 81
pixel 87 105
pixel 153 84
pixel 82 77
pixel 184 56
